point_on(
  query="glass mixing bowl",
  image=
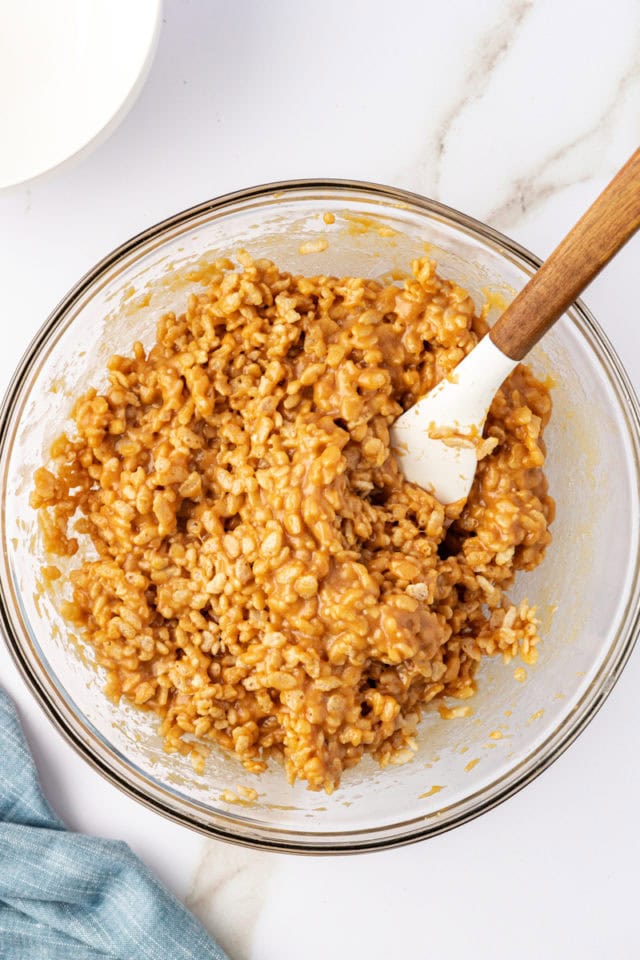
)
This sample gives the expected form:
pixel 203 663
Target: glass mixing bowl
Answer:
pixel 586 589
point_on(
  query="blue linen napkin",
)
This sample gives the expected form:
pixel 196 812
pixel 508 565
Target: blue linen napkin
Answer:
pixel 65 896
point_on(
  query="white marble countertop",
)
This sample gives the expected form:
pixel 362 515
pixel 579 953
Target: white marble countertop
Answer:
pixel 516 111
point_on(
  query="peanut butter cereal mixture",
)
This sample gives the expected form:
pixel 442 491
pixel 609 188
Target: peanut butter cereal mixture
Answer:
pixel 265 579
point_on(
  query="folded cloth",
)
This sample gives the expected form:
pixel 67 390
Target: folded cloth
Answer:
pixel 64 896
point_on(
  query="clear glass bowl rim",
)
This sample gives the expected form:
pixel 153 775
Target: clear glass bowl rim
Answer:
pixel 93 750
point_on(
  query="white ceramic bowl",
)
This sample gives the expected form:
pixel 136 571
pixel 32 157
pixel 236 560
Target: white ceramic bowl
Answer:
pixel 69 72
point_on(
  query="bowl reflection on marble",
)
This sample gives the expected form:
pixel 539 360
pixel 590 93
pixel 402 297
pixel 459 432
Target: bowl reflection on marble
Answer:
pixel 587 588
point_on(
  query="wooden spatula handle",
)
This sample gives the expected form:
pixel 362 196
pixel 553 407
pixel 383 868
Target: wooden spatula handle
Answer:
pixel 596 237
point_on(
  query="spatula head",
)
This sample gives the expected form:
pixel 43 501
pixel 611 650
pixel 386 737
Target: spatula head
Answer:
pixel 437 440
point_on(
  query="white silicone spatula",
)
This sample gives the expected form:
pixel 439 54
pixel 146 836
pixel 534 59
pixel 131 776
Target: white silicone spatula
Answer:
pixel 434 438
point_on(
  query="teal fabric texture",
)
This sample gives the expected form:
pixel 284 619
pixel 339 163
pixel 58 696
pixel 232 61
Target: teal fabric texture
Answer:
pixel 66 896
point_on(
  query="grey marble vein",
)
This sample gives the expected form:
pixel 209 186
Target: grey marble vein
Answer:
pixel 492 45
pixel 569 164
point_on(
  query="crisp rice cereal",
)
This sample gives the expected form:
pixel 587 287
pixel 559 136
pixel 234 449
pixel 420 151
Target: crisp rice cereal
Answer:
pixel 265 578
